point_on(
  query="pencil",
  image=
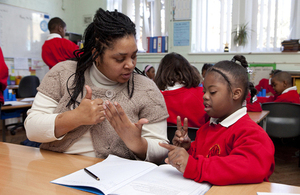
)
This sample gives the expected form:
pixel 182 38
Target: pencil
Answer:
pixel 91 174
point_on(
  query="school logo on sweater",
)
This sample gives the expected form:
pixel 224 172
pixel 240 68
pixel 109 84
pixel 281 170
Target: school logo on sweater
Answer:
pixel 214 151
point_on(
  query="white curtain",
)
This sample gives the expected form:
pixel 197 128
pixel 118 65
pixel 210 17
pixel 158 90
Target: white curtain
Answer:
pixel 211 25
pixel 269 23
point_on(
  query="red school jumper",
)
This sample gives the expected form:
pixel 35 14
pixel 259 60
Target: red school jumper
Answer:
pixel 291 96
pixel 241 153
pixel 264 84
pixel 3 76
pixel 186 102
pixel 57 50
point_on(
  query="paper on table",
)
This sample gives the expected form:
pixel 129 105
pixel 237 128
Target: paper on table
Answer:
pixel 122 176
pixel 15 103
pixel 27 99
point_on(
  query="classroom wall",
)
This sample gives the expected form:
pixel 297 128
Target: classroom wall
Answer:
pixel 73 11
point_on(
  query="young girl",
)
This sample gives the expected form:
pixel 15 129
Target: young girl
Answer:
pixel 149 71
pixel 230 148
pixel 251 101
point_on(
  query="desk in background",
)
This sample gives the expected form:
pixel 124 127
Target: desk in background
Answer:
pixel 259 117
pixel 28 170
pixel 8 112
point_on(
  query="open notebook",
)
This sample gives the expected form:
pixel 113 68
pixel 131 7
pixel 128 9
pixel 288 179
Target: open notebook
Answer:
pixel 122 176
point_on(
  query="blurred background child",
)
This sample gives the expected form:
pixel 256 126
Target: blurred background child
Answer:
pixel 179 84
pixel 266 84
pixel 149 71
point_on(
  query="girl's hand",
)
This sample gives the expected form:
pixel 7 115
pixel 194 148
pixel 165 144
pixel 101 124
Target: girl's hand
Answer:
pixel 181 137
pixel 129 132
pixel 90 111
pixel 177 156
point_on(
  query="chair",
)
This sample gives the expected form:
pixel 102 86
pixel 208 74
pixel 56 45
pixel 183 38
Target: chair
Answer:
pixel 27 88
pixel 283 120
pixel 172 129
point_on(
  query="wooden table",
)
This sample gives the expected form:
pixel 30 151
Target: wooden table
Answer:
pixel 260 117
pixel 27 170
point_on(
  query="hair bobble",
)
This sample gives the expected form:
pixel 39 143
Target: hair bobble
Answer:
pixel 249 70
pixel 233 60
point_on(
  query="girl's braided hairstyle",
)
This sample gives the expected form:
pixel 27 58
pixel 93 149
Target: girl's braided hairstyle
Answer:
pixel 239 73
pixel 106 28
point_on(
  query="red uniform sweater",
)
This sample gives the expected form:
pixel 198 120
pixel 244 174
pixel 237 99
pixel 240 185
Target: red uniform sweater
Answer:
pixel 241 153
pixel 3 76
pixel 264 84
pixel 291 96
pixel 57 50
pixel 254 106
pixel 188 103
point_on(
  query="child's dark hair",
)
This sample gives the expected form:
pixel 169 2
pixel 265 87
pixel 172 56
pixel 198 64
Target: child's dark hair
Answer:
pixel 55 22
pixel 101 34
pixel 238 72
pixel 173 68
pixel 206 66
pixel 283 76
pixel 146 69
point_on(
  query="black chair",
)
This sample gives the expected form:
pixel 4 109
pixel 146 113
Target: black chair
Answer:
pixel 283 121
pixel 27 88
pixel 172 129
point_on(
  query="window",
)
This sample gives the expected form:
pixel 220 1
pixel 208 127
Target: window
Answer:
pixel 148 16
pixel 268 22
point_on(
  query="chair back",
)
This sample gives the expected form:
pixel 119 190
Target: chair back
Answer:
pixel 27 86
pixel 172 129
pixel 283 121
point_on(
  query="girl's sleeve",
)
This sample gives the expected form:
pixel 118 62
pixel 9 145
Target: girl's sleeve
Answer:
pixel 3 72
pixel 250 161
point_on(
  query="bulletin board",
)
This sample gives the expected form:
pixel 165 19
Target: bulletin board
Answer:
pixel 22 31
pixel 260 71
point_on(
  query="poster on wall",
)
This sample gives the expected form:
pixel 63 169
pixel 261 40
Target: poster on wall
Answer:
pixel 260 71
pixel 181 34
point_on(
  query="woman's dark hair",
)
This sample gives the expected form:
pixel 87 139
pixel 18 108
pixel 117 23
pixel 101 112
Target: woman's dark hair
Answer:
pixel 238 72
pixel 101 34
pixel 173 68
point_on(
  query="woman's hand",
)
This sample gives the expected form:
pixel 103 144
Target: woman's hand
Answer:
pixel 177 156
pixel 89 112
pixel 181 137
pixel 129 132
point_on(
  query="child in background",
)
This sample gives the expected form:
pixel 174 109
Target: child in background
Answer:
pixel 205 67
pixel 266 84
pixel 282 84
pixel 56 48
pixel 179 84
pixel 231 148
pixel 251 101
pixel 3 78
pixel 149 71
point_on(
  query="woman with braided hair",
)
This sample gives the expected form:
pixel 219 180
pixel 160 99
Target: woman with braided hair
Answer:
pixel 100 104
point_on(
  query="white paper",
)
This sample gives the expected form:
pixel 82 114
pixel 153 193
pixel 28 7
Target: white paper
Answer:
pixel 15 103
pixel 21 63
pixel 27 99
pixel 122 176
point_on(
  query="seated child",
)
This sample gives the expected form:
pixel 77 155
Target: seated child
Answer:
pixel 251 101
pixel 149 71
pixel 231 148
pixel 282 84
pixel 266 84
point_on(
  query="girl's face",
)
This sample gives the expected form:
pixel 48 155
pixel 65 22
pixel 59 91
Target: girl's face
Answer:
pixel 151 73
pixel 118 62
pixel 217 99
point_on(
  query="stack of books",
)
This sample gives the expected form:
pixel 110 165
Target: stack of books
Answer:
pixel 291 45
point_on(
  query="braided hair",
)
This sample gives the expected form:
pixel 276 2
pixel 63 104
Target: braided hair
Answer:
pixel 238 72
pixel 100 35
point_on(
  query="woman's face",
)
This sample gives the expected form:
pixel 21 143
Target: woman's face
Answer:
pixel 118 62
pixel 151 73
